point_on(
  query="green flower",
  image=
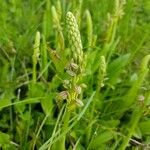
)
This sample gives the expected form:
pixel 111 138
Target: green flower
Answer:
pixel 74 38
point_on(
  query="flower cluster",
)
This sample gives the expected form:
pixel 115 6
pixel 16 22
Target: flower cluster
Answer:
pixel 74 69
pixel 74 38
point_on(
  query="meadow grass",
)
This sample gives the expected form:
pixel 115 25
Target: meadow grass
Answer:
pixel 74 75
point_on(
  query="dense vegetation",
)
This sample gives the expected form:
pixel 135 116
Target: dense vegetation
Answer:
pixel 74 74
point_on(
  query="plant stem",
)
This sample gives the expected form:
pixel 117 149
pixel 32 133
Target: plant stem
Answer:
pixel 60 144
pixel 136 117
pixel 88 134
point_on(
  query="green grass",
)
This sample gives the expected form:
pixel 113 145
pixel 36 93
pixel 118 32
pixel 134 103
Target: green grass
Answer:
pixel 60 91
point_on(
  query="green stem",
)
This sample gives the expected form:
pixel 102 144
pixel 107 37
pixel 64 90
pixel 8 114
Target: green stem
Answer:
pixel 39 130
pixel 88 134
pixel 60 144
pixel 136 117
pixel 65 126
pixel 34 68
pixel 89 131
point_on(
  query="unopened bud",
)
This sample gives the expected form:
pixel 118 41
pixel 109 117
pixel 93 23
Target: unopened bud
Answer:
pixel 78 89
pixel 79 103
pixel 102 65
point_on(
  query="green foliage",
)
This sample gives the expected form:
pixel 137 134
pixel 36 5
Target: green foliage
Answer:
pixel 74 75
pixel 116 67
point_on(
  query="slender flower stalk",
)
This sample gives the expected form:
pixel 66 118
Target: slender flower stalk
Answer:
pixel 113 21
pixel 102 72
pixel 56 16
pixel 89 29
pixel 36 54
